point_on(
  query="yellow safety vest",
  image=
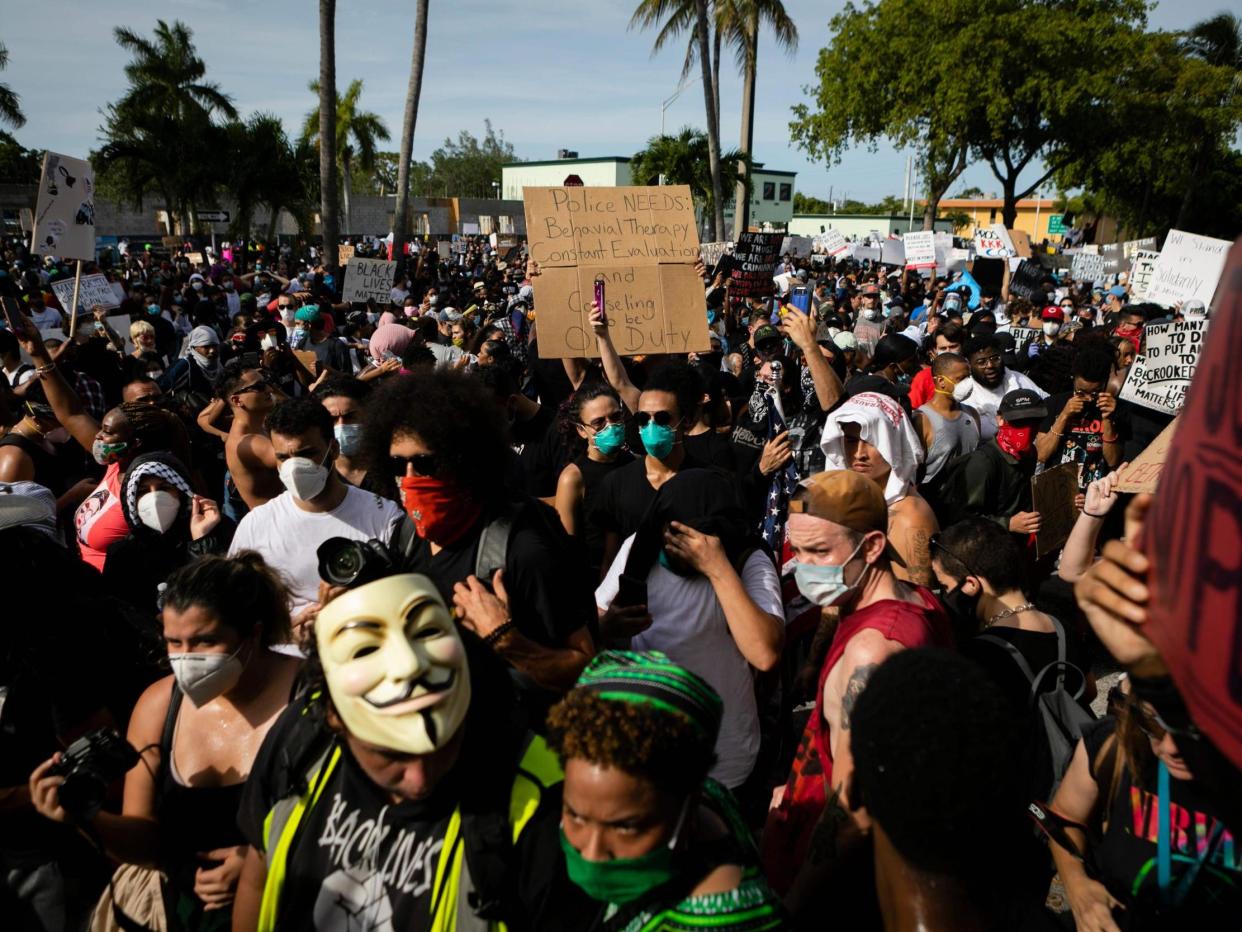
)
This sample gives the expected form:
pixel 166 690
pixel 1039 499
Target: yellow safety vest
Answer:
pixel 450 910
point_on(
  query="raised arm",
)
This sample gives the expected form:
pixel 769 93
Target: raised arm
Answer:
pixel 801 329
pixel 66 404
pixel 614 369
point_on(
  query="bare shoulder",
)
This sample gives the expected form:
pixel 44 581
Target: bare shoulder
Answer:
pixel 570 479
pixel 914 511
pixel 147 722
pixel 720 879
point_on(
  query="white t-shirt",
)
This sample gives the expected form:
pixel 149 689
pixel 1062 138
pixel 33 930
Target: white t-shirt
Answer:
pixel 47 319
pixel 287 537
pixel 688 624
pixel 987 400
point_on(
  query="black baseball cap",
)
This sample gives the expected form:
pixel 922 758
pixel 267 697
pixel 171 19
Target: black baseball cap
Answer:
pixel 767 333
pixel 1022 404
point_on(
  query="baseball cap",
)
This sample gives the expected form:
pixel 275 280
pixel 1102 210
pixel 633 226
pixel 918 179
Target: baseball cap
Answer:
pixel 1052 312
pixel 1194 309
pixel 765 333
pixel 1022 404
pixel 872 289
pixel 843 497
pixel 1117 291
pixel 478 285
pixel 846 340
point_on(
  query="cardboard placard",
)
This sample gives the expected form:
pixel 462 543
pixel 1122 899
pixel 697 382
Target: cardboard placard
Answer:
pixel 196 259
pixel 171 242
pixel 644 243
pixel 1159 376
pixel 1141 268
pixel 308 359
pixel 711 253
pixel 1021 243
pixel 369 280
pixel 1143 474
pixel 65 213
pixel 920 249
pixel 755 257
pixel 993 243
pixel 344 252
pixel 1189 267
pixel 95 290
pixel 1052 495
pixel 1026 281
pixel 893 252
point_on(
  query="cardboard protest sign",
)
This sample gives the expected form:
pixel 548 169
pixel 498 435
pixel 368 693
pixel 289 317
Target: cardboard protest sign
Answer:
pixel 796 246
pixel 1159 376
pixel 712 252
pixel 1052 495
pixel 834 243
pixel 1141 268
pixel 993 243
pixel 920 249
pixel 1023 337
pixel 958 259
pixel 1025 282
pixel 643 243
pixel 1021 243
pixel 172 242
pixel 893 252
pixel 65 213
pixel 196 259
pixel 1087 267
pixel 1143 474
pixel 344 253
pixel 369 279
pixel 755 257
pixel 308 359
pixel 1189 267
pixel 1193 536
pixel 96 290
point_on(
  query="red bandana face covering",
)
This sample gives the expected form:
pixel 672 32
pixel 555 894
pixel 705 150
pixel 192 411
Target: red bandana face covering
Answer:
pixel 1015 440
pixel 441 511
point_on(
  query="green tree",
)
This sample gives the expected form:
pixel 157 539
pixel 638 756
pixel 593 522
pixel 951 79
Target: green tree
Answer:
pixel 10 102
pixel 466 166
pixel 160 135
pixel 414 89
pixel 357 132
pixel 674 18
pixel 805 204
pixel 262 170
pixel 18 165
pixel 682 159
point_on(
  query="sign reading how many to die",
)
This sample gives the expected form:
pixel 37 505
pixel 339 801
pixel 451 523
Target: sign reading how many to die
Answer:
pixel 642 243
pixel 1160 375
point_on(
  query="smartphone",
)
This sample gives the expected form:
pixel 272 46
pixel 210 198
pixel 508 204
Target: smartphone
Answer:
pixel 599 297
pixel 801 299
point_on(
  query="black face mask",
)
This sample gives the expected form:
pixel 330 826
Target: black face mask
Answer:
pixel 961 608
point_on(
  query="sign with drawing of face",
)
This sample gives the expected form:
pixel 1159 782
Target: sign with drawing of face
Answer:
pixel 65 211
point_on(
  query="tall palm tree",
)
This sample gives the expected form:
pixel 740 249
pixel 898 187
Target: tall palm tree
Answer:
pixel 10 102
pixel 742 23
pixel 356 134
pixel 166 76
pixel 713 124
pixel 675 17
pixel 400 216
pixel 327 136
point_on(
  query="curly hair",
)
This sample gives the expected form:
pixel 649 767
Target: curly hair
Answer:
pixel 241 591
pixel 569 415
pixel 663 747
pixel 453 414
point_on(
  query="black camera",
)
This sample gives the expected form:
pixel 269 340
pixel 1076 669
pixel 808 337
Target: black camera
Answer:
pixel 89 767
pixel 351 563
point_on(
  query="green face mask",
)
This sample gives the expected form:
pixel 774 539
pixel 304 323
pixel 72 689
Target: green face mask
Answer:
pixel 621 880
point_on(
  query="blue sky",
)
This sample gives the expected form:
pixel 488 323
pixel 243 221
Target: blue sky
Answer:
pixel 549 73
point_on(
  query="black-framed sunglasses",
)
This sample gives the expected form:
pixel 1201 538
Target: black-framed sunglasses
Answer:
pixel 424 464
pixel 599 423
pixel 663 418
pixel 935 542
pixel 260 386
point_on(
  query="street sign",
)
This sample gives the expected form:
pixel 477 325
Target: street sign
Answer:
pixel 573 181
pixel 213 216
pixel 1056 224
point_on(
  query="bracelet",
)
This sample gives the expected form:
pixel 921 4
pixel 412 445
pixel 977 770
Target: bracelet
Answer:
pixel 1111 439
pixel 1097 517
pixel 43 370
pixel 491 639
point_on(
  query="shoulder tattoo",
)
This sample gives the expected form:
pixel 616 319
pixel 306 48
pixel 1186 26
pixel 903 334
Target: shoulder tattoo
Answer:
pixel 853 689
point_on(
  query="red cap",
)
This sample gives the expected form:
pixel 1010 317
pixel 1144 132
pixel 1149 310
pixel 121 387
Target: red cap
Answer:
pixel 1052 312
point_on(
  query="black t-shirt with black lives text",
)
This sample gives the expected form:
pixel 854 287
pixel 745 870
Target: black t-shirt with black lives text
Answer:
pixel 1082 441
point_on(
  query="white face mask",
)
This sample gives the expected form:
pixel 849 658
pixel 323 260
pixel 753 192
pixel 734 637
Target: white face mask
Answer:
pixel 197 286
pixel 268 341
pixel 962 390
pixel 303 477
pixel 871 313
pixel 1051 328
pixel 433 299
pixel 158 510
pixel 203 677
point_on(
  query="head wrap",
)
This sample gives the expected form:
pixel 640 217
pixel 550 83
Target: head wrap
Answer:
pixel 389 338
pixel 309 313
pixel 884 424
pixel 204 336
pixel 28 504
pixel 163 465
pixel 650 678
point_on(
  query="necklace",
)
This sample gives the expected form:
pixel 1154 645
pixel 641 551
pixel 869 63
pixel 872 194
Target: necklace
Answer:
pixel 1008 613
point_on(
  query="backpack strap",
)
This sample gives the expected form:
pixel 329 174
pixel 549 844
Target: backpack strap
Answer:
pixel 494 545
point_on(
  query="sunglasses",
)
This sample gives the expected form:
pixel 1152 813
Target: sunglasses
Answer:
pixel 424 464
pixel 663 418
pixel 255 387
pixel 599 423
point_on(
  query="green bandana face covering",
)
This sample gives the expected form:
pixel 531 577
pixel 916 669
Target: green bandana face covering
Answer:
pixel 621 880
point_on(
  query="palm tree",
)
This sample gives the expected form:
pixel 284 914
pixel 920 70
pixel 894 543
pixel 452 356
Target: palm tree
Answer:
pixel 674 17
pixel 10 102
pixel 262 170
pixel 742 22
pixel 400 216
pixel 683 159
pixel 356 134
pixel 327 136
pixel 713 124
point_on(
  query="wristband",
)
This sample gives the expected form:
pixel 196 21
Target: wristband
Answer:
pixel 491 639
pixel 1097 517
pixel 43 370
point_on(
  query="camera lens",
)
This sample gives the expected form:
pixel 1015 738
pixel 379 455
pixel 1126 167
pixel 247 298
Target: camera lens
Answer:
pixel 341 561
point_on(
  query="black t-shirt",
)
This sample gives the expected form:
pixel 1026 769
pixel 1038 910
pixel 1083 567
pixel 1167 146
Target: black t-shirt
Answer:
pixel 1082 441
pixel 713 448
pixel 537 443
pixel 625 495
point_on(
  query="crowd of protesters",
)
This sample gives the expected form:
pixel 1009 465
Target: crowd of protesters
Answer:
pixel 343 616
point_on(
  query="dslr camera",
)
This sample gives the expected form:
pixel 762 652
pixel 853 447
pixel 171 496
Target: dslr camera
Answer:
pixel 89 766
pixel 352 563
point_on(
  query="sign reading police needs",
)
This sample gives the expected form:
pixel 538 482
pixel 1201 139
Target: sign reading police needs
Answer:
pixel 754 258
pixel 993 243
pixel 1160 375
pixel 920 249
pixel 96 290
pixel 369 279
pixel 643 242
pixel 1189 267
pixel 65 214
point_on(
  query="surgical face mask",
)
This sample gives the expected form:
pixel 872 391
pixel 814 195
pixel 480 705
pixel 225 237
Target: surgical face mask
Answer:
pixel 1051 328
pixel 658 439
pixel 433 299
pixel 203 677
pixel 303 477
pixel 962 390
pixel 298 338
pixel 105 453
pixel 871 313
pixel 348 438
pixel 826 585
pixel 158 510
pixel 153 310
pixel 197 286
pixel 395 664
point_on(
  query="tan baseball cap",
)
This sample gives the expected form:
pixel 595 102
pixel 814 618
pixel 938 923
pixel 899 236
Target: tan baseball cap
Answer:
pixel 843 497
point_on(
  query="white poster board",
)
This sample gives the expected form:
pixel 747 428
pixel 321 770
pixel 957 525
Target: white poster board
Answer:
pixel 893 252
pixel 1159 376
pixel 1141 269
pixel 796 246
pixel 834 243
pixel 369 279
pixel 920 249
pixel 1189 267
pixel 96 290
pixel 65 214
pixel 994 243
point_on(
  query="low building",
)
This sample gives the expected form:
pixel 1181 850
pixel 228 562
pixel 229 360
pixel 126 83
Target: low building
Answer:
pixel 859 226
pixel 1037 217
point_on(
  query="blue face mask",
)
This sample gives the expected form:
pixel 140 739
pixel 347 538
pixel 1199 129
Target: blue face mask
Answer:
pixel 153 310
pixel 711 316
pixel 610 440
pixel 657 439
pixel 329 280
pixel 826 585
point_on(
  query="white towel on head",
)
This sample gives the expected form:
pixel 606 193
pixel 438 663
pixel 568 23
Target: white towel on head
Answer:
pixel 884 424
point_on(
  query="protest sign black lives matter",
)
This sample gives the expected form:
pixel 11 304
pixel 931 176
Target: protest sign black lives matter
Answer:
pixel 754 262
pixel 369 279
pixel 643 242
pixel 1160 375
